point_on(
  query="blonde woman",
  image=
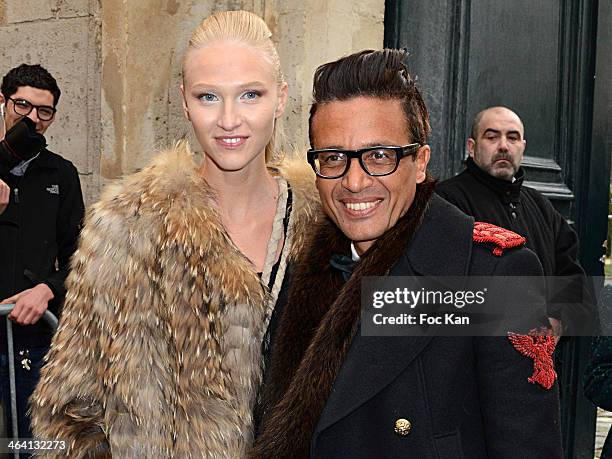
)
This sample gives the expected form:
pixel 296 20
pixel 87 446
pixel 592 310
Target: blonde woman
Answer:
pixel 159 350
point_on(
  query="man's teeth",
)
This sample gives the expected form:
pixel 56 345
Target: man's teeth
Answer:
pixel 360 205
pixel 232 140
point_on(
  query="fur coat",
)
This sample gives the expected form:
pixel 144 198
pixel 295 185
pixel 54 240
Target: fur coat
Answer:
pixel 159 349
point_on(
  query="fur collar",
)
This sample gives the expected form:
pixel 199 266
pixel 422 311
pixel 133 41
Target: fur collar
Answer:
pixel 171 188
pixel 316 331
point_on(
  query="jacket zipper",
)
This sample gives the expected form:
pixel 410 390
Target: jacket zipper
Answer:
pixel 16 195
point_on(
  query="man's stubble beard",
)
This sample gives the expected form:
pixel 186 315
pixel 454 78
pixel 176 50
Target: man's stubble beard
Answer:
pixel 503 173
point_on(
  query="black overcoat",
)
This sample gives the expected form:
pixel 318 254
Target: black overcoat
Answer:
pixel 464 397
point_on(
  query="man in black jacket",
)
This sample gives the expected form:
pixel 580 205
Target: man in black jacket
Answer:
pixel 38 228
pixel 491 189
pixel 333 390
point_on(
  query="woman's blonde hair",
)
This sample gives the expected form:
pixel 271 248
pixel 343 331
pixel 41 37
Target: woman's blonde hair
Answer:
pixel 244 27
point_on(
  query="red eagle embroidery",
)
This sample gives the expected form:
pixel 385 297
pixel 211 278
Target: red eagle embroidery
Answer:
pixel 539 345
pixel 501 238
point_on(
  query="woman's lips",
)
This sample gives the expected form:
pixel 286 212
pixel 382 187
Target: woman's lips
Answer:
pixel 231 142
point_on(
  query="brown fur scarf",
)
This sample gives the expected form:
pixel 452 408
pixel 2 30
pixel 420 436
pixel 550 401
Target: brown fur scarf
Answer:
pixel 315 332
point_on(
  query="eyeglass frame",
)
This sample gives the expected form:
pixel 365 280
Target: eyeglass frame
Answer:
pixel 400 152
pixel 32 107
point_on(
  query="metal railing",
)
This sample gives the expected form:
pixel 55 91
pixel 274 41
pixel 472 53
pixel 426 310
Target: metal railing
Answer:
pixel 52 322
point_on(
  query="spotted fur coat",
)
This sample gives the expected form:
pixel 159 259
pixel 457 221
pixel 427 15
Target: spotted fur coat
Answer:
pixel 158 353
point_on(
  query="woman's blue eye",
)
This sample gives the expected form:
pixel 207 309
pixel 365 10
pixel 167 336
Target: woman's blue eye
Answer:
pixel 250 95
pixel 208 97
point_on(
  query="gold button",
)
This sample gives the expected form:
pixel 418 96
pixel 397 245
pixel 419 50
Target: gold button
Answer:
pixel 403 427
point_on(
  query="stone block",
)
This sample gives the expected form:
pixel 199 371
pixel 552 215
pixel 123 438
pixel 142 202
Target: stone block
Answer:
pixel 15 12
pixel 72 8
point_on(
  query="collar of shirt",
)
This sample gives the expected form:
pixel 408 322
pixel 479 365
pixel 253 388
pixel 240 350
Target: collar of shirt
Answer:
pixel 354 255
pixel 19 169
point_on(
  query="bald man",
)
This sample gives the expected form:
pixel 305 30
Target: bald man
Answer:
pixel 491 189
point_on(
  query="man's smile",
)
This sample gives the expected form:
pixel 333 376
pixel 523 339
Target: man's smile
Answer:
pixel 361 208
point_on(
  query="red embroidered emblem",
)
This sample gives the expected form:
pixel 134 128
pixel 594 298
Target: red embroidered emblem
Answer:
pixel 539 345
pixel 501 238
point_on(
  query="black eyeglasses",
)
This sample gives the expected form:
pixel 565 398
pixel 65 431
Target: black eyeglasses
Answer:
pixel 332 163
pixel 23 108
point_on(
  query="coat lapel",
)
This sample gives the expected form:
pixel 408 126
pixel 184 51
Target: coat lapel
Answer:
pixel 372 363
pixel 443 244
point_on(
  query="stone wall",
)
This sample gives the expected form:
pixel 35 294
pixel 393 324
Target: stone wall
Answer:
pixel 118 64
pixel 64 37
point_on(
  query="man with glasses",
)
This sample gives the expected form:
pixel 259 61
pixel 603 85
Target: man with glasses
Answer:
pixel 38 229
pixel 330 390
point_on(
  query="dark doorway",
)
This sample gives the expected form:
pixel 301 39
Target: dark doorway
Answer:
pixel 540 59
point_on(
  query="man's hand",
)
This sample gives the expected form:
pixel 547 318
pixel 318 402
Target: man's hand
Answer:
pixel 5 194
pixel 29 304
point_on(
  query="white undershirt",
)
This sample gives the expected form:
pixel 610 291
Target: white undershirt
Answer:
pixel 354 255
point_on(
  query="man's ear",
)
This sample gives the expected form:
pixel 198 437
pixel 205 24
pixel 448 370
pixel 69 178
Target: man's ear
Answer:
pixel 422 160
pixel 283 93
pixel 2 105
pixel 185 109
pixel 470 144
